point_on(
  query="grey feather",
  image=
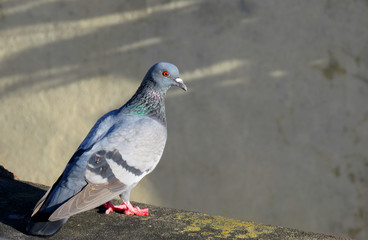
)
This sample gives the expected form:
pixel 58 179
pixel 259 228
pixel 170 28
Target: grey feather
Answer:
pixel 122 147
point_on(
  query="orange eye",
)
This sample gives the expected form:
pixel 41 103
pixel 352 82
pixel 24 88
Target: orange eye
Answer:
pixel 165 73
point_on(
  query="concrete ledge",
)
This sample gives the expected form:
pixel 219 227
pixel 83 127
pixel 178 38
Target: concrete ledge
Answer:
pixel 17 198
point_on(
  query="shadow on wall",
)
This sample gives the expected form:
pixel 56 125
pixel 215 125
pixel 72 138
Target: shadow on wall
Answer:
pixel 80 40
pixel 19 198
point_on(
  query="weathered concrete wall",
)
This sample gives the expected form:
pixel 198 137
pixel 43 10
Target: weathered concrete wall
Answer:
pixel 274 127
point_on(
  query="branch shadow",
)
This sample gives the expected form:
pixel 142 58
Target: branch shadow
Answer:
pixel 59 11
pixel 110 48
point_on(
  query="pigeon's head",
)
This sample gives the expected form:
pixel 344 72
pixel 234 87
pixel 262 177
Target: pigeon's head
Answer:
pixel 165 75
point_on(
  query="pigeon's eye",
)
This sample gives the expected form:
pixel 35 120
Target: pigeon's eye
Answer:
pixel 165 73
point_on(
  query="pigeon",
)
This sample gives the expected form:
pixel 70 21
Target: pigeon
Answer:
pixel 121 148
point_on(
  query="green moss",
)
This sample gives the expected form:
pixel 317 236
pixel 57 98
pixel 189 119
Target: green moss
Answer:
pixel 191 228
pixel 241 236
pixel 221 227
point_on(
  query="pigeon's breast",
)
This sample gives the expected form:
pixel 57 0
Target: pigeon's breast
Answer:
pixel 142 143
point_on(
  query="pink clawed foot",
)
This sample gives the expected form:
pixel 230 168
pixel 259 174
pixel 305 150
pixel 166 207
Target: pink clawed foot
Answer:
pixel 127 208
pixel 111 207
pixel 135 210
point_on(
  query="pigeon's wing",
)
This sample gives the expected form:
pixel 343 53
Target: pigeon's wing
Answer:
pixel 92 195
pixel 72 179
pixel 120 160
pixel 40 202
pixel 100 129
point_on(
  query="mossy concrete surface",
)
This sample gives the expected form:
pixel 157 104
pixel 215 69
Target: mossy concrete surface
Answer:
pixel 17 198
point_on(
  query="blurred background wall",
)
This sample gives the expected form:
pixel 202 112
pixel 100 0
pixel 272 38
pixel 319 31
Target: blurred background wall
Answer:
pixel 274 127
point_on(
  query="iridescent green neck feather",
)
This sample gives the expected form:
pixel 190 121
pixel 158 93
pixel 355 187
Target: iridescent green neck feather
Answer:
pixel 149 100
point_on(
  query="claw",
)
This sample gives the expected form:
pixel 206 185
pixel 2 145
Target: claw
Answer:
pixel 127 208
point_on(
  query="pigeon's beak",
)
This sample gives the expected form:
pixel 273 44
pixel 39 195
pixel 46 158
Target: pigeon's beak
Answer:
pixel 181 84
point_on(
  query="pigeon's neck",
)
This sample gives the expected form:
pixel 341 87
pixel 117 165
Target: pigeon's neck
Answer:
pixel 149 101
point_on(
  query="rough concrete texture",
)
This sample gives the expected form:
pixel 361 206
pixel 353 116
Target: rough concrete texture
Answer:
pixel 18 198
pixel 274 127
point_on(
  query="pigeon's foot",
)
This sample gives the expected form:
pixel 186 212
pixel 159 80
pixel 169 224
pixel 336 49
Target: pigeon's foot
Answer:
pixel 111 207
pixel 126 208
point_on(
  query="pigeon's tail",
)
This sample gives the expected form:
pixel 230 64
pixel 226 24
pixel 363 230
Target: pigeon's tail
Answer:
pixel 44 228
